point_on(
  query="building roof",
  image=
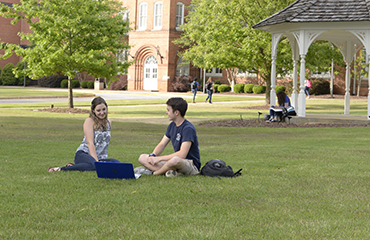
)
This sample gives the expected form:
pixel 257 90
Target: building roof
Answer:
pixel 320 11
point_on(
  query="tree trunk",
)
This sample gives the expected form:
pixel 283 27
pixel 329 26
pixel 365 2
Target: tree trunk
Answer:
pixel 70 93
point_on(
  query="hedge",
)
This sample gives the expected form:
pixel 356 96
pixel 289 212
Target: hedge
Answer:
pixel 239 88
pixel 248 88
pixel 259 89
pixel 224 88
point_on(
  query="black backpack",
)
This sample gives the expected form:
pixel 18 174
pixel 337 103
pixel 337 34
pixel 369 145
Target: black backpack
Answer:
pixel 209 86
pixel 218 168
pixel 194 85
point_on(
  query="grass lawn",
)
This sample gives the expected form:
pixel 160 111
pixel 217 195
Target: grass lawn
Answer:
pixel 298 183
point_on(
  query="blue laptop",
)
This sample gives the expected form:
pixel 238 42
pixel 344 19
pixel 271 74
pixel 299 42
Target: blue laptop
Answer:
pixel 115 170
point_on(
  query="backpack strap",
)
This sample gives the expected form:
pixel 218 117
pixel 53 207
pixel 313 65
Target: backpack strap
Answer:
pixel 238 173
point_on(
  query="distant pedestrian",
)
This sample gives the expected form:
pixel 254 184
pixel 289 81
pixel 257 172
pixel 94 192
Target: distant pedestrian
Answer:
pixel 194 88
pixel 307 88
pixel 209 88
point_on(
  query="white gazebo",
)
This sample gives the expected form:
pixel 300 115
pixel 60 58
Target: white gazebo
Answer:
pixel 345 23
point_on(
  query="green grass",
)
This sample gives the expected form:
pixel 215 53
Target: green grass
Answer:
pixel 17 92
pixel 297 183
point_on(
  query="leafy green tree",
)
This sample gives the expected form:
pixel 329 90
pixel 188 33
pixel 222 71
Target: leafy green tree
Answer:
pixel 358 72
pixel 320 55
pixel 70 36
pixel 221 35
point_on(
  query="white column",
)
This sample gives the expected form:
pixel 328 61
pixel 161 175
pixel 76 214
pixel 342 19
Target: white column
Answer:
pixel 368 95
pixel 295 81
pixel 302 95
pixel 273 81
pixel 347 94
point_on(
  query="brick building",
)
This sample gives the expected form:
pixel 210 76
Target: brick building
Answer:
pixel 9 33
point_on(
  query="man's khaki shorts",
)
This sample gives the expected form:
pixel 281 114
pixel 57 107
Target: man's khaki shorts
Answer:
pixel 190 168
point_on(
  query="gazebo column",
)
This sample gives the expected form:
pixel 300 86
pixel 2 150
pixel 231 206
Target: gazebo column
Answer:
pixel 273 81
pixel 302 95
pixel 347 95
pixel 295 81
pixel 368 95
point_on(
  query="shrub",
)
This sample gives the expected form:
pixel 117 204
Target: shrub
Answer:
pixel 248 88
pixel 239 88
pixel 64 83
pixel 7 76
pixel 52 81
pixel 259 89
pixel 215 88
pixel 181 84
pixel 1 83
pixel 84 84
pixel 75 83
pixel 224 88
pixel 279 88
pixel 90 84
pixel 118 85
pixel 320 87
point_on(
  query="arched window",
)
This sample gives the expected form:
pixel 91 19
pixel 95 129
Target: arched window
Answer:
pixel 143 11
pixel 157 21
pixel 179 14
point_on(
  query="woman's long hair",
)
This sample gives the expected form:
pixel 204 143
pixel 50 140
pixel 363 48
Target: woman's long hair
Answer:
pixel 95 102
pixel 281 97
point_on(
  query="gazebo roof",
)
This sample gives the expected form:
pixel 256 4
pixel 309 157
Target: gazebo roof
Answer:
pixel 320 11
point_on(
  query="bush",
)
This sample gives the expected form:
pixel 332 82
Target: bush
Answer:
pixel 248 88
pixel 279 88
pixel 224 88
pixel 215 88
pixel 259 89
pixel 239 88
pixel 1 83
pixel 75 83
pixel 52 81
pixel 64 83
pixel 217 82
pixel 90 84
pixel 84 84
pixel 7 76
pixel 181 84
pixel 320 87
pixel 118 85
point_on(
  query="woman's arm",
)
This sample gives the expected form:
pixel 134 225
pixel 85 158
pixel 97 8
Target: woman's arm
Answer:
pixel 89 135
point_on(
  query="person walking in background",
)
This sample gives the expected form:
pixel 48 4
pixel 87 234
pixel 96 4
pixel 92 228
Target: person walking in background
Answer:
pixel 194 88
pixel 209 88
pixel 308 84
pixel 94 146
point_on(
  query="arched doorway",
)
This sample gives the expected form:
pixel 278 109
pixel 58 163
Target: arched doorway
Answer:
pixel 150 74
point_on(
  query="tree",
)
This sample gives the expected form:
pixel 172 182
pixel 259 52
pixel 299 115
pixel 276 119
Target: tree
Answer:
pixel 359 70
pixel 219 34
pixel 70 36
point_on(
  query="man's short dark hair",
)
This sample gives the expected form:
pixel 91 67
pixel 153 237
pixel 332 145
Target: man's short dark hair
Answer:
pixel 195 79
pixel 179 104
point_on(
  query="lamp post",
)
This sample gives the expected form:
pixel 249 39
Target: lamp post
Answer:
pixel 25 65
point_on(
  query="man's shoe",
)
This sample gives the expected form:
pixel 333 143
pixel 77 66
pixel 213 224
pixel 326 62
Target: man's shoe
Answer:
pixel 143 170
pixel 173 173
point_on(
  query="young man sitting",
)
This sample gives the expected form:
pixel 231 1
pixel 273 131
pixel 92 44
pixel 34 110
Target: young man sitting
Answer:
pixel 182 134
